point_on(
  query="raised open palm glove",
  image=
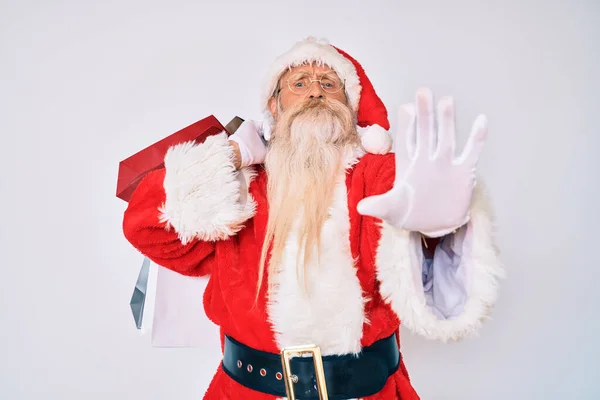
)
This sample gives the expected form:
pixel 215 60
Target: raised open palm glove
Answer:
pixel 433 188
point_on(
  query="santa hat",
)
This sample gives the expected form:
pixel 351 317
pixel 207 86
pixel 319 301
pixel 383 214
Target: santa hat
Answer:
pixel 371 114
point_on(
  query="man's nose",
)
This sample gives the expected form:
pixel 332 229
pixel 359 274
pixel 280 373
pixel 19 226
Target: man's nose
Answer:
pixel 316 91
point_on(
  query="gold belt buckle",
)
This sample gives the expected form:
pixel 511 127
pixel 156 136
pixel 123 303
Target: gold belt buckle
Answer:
pixel 290 352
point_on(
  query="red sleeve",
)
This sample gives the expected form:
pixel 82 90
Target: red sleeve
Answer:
pixel 380 172
pixel 142 228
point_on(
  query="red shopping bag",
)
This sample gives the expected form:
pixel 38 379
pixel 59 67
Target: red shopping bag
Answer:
pixel 133 169
pixel 164 302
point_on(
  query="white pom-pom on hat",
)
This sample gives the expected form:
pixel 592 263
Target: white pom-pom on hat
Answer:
pixel 375 139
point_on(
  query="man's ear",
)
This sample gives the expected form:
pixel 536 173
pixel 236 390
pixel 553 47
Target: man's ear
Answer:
pixel 273 106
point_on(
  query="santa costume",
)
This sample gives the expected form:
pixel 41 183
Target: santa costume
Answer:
pixel 199 216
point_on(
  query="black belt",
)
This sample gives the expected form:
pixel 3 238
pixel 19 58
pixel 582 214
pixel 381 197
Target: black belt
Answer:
pixel 347 376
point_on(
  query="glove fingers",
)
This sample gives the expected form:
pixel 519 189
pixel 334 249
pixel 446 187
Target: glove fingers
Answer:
pixel 425 123
pixel 474 146
pixel 391 207
pixel 374 206
pixel 405 134
pixel 249 138
pixel 447 129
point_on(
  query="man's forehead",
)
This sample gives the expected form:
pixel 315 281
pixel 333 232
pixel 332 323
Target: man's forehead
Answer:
pixel 312 69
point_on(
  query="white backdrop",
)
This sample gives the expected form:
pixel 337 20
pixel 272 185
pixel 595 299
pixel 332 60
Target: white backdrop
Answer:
pixel 86 84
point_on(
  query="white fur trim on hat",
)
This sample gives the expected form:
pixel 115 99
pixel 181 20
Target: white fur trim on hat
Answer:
pixel 321 53
pixel 375 139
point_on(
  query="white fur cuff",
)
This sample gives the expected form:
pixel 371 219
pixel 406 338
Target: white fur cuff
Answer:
pixel 203 191
pixel 399 271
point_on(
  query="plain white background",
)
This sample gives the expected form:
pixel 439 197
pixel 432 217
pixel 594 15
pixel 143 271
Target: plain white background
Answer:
pixel 85 84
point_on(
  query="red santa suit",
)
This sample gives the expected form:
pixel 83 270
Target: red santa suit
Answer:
pixel 199 216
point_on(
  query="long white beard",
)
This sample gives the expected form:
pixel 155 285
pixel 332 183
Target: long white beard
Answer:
pixel 305 158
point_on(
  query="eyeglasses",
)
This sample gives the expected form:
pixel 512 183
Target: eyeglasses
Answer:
pixel 329 82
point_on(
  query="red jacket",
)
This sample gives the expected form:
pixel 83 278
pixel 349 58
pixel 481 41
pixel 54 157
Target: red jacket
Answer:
pixel 200 217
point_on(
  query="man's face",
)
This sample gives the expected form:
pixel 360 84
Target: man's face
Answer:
pixel 291 94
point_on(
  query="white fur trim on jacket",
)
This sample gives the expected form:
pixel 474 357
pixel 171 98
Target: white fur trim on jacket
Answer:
pixel 332 314
pixel 322 53
pixel 399 263
pixel 206 198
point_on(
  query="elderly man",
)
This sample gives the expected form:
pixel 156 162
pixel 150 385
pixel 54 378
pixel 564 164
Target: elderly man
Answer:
pixel 317 241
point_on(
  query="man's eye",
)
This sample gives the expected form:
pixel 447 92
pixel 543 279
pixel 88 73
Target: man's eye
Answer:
pixel 299 84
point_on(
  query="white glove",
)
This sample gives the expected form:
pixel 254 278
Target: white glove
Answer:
pixel 249 137
pixel 432 189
